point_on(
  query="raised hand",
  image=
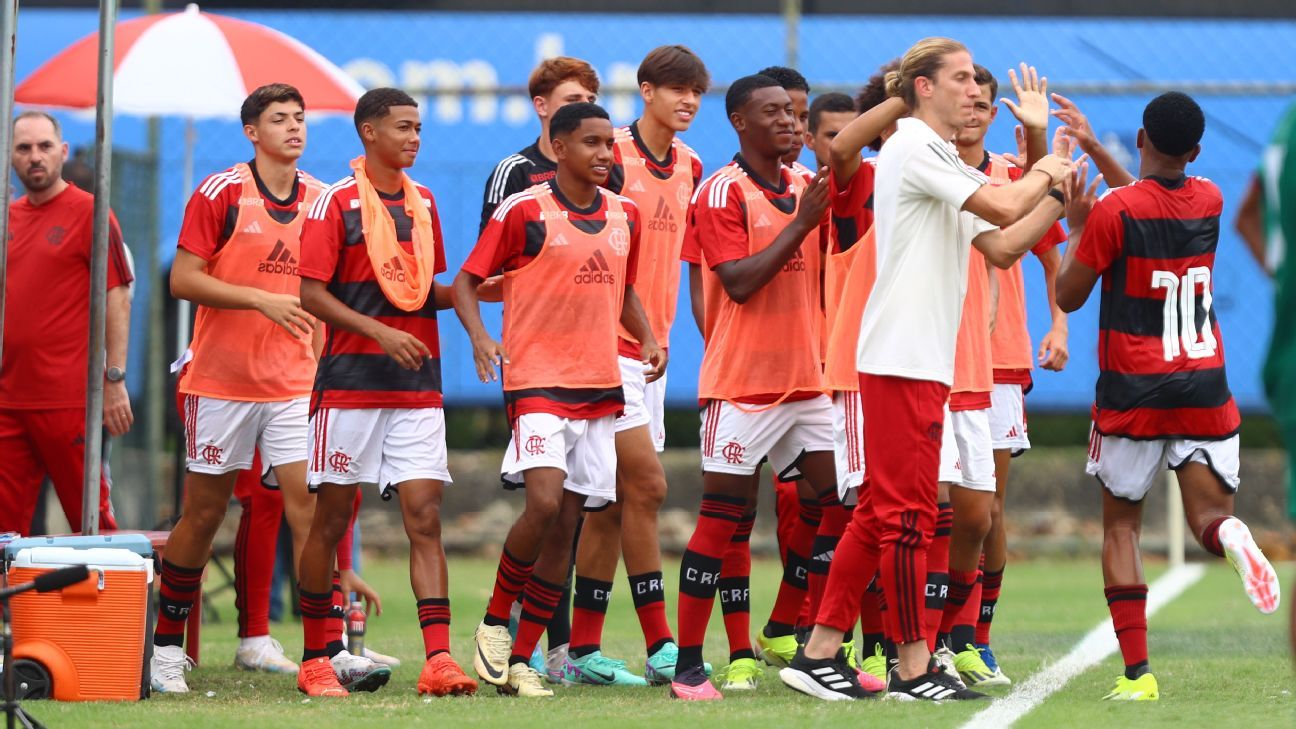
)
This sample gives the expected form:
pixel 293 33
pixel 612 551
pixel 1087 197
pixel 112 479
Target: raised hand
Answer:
pixel 1056 167
pixel 1019 159
pixel 1076 123
pixel 814 201
pixel 1079 199
pixel 1032 106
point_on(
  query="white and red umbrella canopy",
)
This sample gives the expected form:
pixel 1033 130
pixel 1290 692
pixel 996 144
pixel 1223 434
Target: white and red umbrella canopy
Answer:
pixel 190 64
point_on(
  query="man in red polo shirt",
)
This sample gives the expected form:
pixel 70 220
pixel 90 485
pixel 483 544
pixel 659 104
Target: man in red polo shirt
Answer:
pixel 43 377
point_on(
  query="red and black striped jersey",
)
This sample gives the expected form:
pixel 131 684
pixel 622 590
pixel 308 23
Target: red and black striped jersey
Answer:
pixel 354 371
pixel 1160 352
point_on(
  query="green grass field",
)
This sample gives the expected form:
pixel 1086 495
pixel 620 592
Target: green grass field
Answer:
pixel 1219 663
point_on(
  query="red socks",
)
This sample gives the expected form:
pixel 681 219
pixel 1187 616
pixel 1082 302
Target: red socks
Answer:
pixel 991 583
pixel 1128 606
pixel 176 596
pixel 590 600
pixel 792 590
pixel 510 579
pixel 434 620
pixel 938 579
pixel 735 590
pixel 650 604
pixel 538 605
pixel 700 568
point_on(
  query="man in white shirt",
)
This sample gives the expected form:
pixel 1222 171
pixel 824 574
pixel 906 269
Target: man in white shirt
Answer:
pixel 930 207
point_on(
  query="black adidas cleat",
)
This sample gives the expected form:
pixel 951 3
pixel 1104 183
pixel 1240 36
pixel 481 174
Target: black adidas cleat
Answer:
pixel 829 679
pixel 934 685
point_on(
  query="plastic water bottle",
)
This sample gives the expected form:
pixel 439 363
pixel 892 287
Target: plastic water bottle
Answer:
pixel 355 625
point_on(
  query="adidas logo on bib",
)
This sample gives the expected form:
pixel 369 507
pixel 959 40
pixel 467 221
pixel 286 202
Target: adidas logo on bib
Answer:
pixel 595 271
pixel 252 228
pixel 636 186
pixel 281 260
pixel 763 221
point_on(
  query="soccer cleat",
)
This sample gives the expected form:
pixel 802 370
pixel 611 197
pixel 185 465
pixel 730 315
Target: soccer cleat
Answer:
pixel 848 650
pixel 992 663
pixel 693 685
pixel 973 670
pixel 537 662
pixel 934 685
pixel 944 657
pixel 740 675
pixel 876 664
pixel 823 678
pixel 659 669
pixel 523 681
pixel 263 655
pixel 777 651
pixel 1258 577
pixel 1143 688
pixel 553 663
pixel 441 676
pixel 383 658
pixel 317 678
pixel 595 669
pixel 357 673
pixel 491 659
pixel 167 669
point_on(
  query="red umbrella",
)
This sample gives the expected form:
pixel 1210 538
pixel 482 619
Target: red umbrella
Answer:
pixel 190 64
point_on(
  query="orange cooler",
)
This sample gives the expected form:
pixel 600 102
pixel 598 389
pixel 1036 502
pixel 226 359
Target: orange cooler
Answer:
pixel 90 637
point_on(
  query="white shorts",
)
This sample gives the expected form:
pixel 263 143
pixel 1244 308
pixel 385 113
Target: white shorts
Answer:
pixel 737 441
pixel 382 446
pixel 1128 468
pixel 848 441
pixel 1008 418
pixel 967 458
pixel 645 402
pixel 223 435
pixel 585 450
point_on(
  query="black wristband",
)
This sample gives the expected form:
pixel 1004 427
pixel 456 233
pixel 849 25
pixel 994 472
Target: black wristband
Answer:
pixel 1056 194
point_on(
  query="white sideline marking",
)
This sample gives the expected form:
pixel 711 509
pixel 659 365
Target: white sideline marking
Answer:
pixel 1091 650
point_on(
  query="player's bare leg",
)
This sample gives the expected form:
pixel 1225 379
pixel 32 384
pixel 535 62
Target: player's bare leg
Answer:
pixel 299 503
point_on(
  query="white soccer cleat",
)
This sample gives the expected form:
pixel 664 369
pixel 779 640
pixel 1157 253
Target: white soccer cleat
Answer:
pixel 491 659
pixel 357 673
pixel 944 658
pixel 263 654
pixel 1258 576
pixel 167 669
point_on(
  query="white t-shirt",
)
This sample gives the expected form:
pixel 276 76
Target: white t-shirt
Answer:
pixel 911 322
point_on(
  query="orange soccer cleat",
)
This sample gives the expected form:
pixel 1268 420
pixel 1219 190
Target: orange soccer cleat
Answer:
pixel 317 678
pixel 441 676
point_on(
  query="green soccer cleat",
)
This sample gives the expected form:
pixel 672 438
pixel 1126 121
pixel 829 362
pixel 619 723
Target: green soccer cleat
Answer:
pixel 741 675
pixel 876 664
pixel 595 669
pixel 973 670
pixel 1143 688
pixel 659 669
pixel 777 651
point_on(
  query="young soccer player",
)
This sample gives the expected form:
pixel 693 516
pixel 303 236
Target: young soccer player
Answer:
pixel 554 83
pixel 569 253
pixel 923 238
pixel 1011 362
pixel 763 394
pixel 657 171
pixel 1162 399
pixel 371 247
pixel 828 115
pixel 247 385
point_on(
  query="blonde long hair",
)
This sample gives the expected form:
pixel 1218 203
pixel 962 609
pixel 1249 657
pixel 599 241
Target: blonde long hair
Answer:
pixel 924 58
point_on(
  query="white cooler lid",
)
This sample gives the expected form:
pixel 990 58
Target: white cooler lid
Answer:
pixel 119 560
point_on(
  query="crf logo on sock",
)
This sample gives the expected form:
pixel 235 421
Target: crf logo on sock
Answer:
pixel 701 577
pixel 174 611
pixel 732 452
pixel 339 462
pixel 649 587
pixel 735 595
pixel 213 453
pixel 535 445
